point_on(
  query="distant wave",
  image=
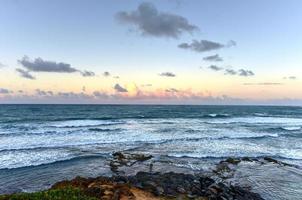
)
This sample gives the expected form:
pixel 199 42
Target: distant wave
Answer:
pixel 105 129
pixel 159 122
pixel 84 123
pixel 262 115
pixel 66 160
pixel 286 130
pixel 58 119
pixel 69 146
pixel 153 116
pixel 65 152
pixel 215 115
pixel 291 128
pixel 287 121
pixel 176 155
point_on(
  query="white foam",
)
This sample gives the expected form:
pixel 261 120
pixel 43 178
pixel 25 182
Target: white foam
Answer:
pixel 185 137
pixel 228 148
pixel 13 159
pixel 292 128
pixel 81 123
pixel 258 120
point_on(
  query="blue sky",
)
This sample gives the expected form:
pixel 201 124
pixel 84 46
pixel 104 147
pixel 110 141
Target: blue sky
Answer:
pixel 88 36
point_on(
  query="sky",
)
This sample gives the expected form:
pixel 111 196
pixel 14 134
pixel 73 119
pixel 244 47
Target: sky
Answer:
pixel 151 52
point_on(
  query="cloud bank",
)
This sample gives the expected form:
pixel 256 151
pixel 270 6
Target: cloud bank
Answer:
pixel 263 83
pixel 87 73
pixel 205 45
pixel 172 90
pixel 244 72
pixel 213 58
pixel 151 22
pixel 160 96
pixel 5 91
pixel 167 74
pixel 25 74
pixel 229 71
pixel 119 88
pixel 40 65
pixel 290 77
pixel 106 74
pixel 215 68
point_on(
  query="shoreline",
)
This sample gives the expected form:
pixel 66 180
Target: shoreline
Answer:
pixel 146 181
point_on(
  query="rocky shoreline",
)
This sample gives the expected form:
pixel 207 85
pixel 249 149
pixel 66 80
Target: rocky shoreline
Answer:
pixel 156 185
pixel 145 185
pixel 152 184
pixel 144 182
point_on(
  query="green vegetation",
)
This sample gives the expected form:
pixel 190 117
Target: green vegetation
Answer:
pixel 55 194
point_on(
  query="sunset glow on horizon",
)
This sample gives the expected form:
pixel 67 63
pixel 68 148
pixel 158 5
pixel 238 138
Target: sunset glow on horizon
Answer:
pixel 164 52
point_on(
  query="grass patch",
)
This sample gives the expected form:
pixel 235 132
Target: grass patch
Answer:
pixel 55 194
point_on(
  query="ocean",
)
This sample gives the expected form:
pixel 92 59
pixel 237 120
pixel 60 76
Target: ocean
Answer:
pixel 52 142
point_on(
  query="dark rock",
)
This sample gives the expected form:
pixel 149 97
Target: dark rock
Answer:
pixel 119 155
pixel 149 184
pixel 159 191
pixel 247 159
pixel 114 165
pixel 141 157
pixel 126 159
pixel 213 190
pixel 241 194
pixel 191 196
pixel 120 179
pixel 196 190
pixel 222 167
pixel 271 160
pixel 181 190
pixel 171 192
pixel 205 182
pixel 170 184
pixel 233 161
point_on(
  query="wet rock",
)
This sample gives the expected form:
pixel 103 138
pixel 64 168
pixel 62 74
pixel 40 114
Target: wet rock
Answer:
pixel 233 161
pixel 192 196
pixel 163 185
pixel 271 160
pixel 149 185
pixel 114 165
pixel 181 190
pixel 174 185
pixel 120 179
pixel 159 191
pixel 119 155
pixel 241 194
pixel 205 182
pixel 247 159
pixel 222 167
pixel 141 157
pixel 213 190
pixel 126 159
